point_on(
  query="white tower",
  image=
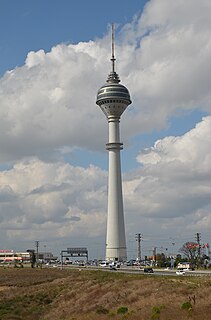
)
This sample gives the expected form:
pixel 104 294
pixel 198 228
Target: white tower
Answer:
pixel 113 98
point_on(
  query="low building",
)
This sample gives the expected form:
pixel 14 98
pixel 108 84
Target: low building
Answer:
pixel 8 256
pixel 185 265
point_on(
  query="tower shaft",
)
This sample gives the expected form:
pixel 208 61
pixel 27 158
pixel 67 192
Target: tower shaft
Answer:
pixel 115 239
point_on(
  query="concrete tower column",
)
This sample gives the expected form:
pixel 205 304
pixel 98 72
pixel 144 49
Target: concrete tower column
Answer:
pixel 115 239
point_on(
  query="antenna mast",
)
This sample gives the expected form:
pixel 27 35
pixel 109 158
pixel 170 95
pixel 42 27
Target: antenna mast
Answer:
pixel 113 76
pixel 112 57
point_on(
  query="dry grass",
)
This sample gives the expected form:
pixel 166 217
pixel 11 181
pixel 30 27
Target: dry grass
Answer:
pixel 44 294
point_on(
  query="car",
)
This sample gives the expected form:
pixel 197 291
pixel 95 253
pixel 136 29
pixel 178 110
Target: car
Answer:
pixel 104 264
pixel 130 263
pixel 148 270
pixel 180 272
pixel 113 267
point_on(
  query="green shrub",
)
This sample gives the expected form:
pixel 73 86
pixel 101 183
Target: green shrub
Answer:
pixel 122 310
pixel 187 306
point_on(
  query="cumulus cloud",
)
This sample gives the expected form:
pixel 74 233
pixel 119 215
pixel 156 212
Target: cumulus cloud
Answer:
pixel 169 192
pixel 190 149
pixel 163 58
pixel 173 186
pixel 49 103
pixel 47 110
pixel 53 200
pixel 169 67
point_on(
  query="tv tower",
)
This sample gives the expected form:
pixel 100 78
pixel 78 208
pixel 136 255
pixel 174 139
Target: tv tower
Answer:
pixel 113 98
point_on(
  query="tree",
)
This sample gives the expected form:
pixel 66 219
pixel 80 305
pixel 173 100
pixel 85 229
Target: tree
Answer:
pixel 32 257
pixel 190 250
pixel 161 260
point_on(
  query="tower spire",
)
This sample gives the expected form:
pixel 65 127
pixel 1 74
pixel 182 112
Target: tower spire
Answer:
pixel 112 48
pixel 113 76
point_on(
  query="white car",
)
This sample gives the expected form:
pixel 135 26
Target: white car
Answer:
pixel 180 272
pixel 104 264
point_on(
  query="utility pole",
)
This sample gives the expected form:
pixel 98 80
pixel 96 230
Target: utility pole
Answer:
pixel 198 239
pixel 37 251
pixel 139 239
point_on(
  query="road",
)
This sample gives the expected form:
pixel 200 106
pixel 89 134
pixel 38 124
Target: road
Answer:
pixel 137 270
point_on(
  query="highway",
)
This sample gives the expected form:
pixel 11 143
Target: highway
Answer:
pixel 137 270
pixel 163 272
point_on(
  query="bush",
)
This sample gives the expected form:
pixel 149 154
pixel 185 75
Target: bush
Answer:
pixel 187 306
pixel 122 310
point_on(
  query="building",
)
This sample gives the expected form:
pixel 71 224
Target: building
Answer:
pixel 47 256
pixel 185 266
pixel 113 98
pixel 10 256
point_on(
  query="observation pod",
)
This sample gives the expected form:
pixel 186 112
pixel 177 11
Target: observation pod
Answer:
pixel 113 98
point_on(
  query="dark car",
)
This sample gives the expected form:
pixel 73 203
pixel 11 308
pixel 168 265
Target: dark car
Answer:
pixel 148 270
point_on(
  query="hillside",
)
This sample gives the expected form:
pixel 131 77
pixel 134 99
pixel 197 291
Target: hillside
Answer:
pixel 53 294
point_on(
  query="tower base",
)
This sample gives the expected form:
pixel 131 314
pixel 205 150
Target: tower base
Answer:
pixel 116 254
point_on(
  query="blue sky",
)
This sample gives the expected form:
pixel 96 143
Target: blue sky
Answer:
pixel 53 178
pixel 31 25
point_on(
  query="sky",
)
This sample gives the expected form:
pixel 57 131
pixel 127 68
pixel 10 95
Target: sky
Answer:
pixel 55 55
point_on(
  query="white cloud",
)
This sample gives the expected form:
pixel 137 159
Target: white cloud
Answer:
pixel 52 201
pixel 170 192
pixel 174 183
pixel 168 70
pixel 163 57
pixel 47 109
pixel 191 149
pixel 49 103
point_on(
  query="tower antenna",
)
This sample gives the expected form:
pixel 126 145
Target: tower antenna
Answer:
pixel 112 57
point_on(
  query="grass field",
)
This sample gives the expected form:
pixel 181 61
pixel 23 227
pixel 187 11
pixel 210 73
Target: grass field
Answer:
pixel 53 294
